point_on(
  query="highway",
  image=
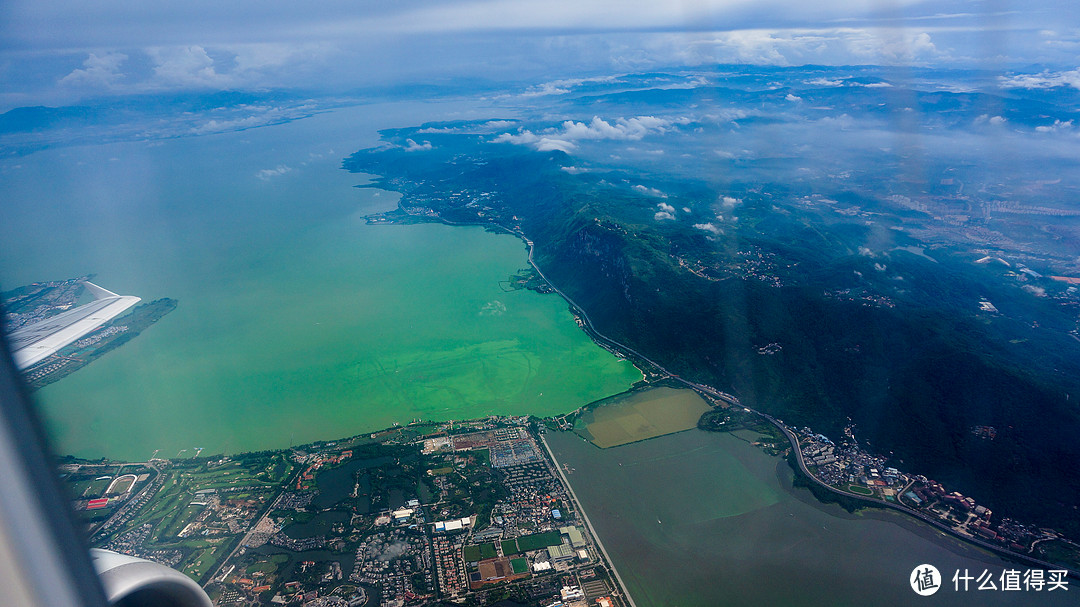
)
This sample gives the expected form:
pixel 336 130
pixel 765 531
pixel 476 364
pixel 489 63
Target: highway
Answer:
pixel 585 516
pixel 734 401
pixel 997 549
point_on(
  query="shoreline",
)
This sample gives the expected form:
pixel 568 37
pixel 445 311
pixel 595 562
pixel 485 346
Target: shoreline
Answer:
pixel 730 400
pixel 914 514
pixel 662 376
pixel 585 517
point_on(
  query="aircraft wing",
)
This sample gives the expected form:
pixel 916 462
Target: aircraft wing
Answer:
pixel 33 343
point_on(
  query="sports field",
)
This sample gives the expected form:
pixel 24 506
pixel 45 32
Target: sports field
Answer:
pixel 538 541
pixel 640 416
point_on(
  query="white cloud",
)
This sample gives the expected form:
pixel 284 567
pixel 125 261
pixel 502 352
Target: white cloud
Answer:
pixel 235 124
pixel 1036 291
pixel 649 191
pixel 98 71
pixel 412 146
pixel 268 174
pixel 438 130
pixel 1043 80
pixel 185 66
pixel 846 81
pixel 663 216
pixel 707 227
pixel 1057 127
pixel 262 57
pixel 665 207
pixel 191 67
pixel 890 45
pixel 780 46
pixel 547 144
pixel 517 39
pixel 625 129
pixel 792 98
pixel 878 44
pixel 728 203
pixel 562 87
pixel 565 136
pixel 991 120
pixel 842 122
pixel 490 125
pixel 255 116
pixel 521 138
pixel 800 46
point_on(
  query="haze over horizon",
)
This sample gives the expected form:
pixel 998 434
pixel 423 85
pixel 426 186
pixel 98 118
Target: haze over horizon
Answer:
pixel 54 53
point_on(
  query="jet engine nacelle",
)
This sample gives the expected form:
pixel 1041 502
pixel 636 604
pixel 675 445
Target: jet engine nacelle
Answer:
pixel 135 582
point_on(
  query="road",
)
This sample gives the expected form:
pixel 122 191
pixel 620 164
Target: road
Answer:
pixel 734 401
pixel 270 503
pixel 585 517
pixel 997 549
pixel 133 503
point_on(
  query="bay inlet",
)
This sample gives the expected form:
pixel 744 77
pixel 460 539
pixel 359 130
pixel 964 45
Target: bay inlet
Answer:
pixel 297 321
pixel 705 519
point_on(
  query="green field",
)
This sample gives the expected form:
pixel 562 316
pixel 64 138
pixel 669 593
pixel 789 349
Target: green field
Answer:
pixel 537 541
pixel 641 415
pixel 509 547
pixel 860 490
pixel 172 508
pixel 520 565
pixel 488 551
pixel 471 554
pixel 98 486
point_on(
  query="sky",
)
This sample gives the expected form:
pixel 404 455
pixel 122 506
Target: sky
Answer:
pixel 57 52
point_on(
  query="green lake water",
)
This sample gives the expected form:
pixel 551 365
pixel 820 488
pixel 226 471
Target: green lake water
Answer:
pixel 296 320
pixel 704 519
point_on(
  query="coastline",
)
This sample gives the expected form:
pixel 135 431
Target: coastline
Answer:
pixel 585 517
pixel 713 395
pixel 998 550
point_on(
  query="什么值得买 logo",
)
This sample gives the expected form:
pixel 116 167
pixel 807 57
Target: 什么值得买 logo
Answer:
pixel 925 580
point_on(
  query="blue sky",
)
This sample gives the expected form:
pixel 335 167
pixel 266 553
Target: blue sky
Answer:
pixel 56 52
